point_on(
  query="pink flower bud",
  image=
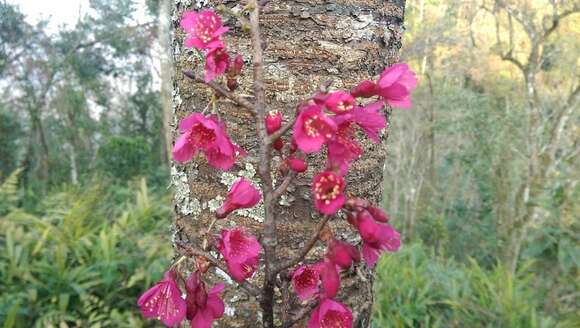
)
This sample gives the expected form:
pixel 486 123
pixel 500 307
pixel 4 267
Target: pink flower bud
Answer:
pixel 293 147
pixel 232 83
pixel 242 195
pixel 356 204
pixel 283 168
pixel 365 89
pixel 236 66
pixel 273 121
pixel 278 144
pixel 297 164
pixel 378 214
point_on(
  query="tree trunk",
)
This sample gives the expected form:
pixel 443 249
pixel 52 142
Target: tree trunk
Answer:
pixel 307 43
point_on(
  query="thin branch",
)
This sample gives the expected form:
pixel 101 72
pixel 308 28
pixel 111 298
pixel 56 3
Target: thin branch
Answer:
pixel 222 91
pixel 520 18
pixel 556 18
pixel 307 247
pixel 508 55
pixel 276 135
pixel 560 123
pixel 193 251
pixel 284 185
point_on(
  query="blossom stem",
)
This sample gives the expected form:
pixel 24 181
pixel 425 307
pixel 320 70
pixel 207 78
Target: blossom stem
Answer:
pixel 207 232
pixel 222 91
pixel 181 259
pixel 284 185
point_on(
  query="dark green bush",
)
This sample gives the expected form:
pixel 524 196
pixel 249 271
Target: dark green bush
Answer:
pixel 124 157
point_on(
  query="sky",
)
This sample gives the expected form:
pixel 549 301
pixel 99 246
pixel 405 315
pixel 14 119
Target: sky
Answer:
pixel 59 11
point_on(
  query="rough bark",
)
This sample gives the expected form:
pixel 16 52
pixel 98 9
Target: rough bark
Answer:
pixel 307 43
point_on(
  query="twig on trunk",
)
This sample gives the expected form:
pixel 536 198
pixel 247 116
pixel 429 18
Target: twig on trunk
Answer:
pixel 307 247
pixel 284 185
pixel 222 91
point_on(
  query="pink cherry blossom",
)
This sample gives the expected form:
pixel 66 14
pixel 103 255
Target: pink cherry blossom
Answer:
pixel 313 129
pixel 207 134
pixel 163 301
pixel 203 29
pixel 217 62
pixel 339 102
pixel 370 119
pixel 395 85
pixel 328 189
pixel 376 237
pixel 203 307
pixel 330 314
pixel 330 278
pixel 343 149
pixel 342 254
pixel 241 252
pixel 242 195
pixel 296 164
pixel 305 280
pixel 273 121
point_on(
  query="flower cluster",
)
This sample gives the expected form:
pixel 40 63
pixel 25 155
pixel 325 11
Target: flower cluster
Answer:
pixel 204 31
pixel 328 122
pixel 164 301
pixel 322 280
pixel 331 120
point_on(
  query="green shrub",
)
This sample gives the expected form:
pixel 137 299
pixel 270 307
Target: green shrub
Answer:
pixel 124 157
pixel 416 288
pixel 81 263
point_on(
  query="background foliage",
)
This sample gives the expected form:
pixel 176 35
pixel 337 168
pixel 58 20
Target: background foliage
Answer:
pixel 85 213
